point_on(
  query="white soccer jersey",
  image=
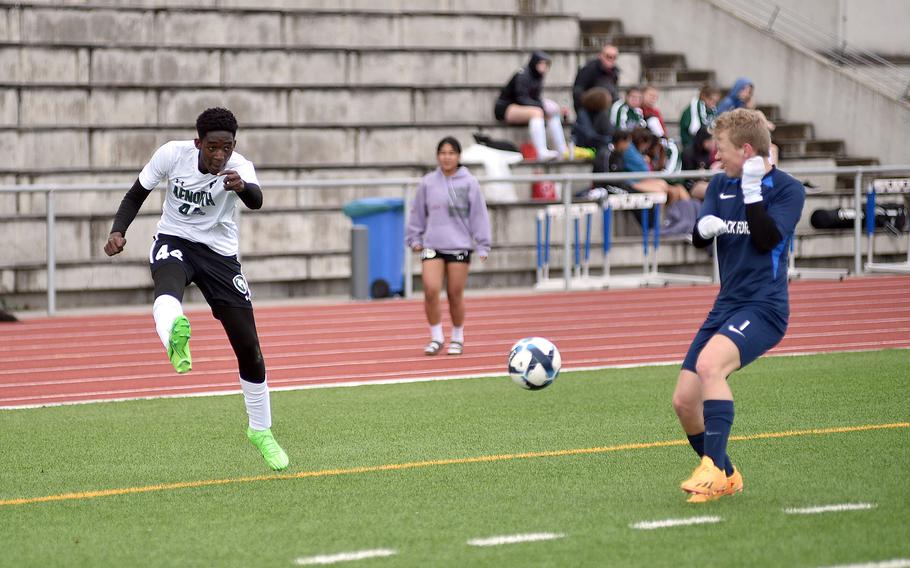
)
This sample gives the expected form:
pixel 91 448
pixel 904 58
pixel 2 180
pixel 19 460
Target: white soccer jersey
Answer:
pixel 196 207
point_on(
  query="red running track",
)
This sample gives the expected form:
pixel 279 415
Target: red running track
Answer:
pixel 112 357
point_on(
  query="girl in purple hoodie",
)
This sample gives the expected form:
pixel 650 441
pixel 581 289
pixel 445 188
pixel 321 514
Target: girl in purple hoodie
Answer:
pixel 448 222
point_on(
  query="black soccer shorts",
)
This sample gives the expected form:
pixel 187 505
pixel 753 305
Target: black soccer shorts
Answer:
pixel 218 277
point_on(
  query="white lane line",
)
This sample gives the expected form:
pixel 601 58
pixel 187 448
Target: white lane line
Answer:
pixel 894 563
pixel 829 508
pixel 344 557
pixel 666 523
pixel 514 539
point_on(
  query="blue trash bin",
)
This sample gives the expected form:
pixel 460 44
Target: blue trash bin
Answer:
pixel 384 219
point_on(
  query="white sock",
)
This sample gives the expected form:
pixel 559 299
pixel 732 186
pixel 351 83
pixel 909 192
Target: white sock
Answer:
pixel 436 332
pixel 538 131
pixel 458 334
pixel 258 405
pixel 554 125
pixel 165 310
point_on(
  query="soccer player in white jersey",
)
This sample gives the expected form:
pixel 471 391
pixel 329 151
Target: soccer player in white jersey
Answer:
pixel 197 241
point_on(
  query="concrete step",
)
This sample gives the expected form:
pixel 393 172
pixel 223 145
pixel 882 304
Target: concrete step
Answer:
pixel 292 221
pixel 335 6
pixel 191 67
pixel 80 25
pixel 67 106
pixel 792 131
pixel 772 112
pixel 664 61
pixel 810 148
pixel 125 281
pixel 671 75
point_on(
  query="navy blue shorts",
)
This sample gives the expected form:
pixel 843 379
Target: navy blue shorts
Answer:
pixel 218 277
pixel 754 330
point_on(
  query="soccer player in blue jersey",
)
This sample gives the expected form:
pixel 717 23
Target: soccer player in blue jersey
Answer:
pixel 751 209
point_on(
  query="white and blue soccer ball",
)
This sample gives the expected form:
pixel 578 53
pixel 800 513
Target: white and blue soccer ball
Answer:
pixel 534 363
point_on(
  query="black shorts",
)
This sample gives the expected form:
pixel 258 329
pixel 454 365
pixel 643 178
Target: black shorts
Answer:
pixel 450 256
pixel 499 111
pixel 218 277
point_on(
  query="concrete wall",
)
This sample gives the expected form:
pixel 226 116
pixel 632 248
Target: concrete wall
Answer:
pixel 806 87
pixel 879 26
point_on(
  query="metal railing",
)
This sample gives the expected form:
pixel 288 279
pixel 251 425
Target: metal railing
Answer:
pixel 791 27
pixel 407 185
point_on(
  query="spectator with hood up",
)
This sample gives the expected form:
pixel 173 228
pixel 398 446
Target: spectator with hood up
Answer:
pixel 521 102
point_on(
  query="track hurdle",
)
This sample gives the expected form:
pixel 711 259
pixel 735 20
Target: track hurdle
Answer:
pixel 581 251
pixel 888 187
pixel 650 204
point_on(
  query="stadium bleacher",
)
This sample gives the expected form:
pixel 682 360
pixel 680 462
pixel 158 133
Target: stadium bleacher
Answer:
pixel 321 90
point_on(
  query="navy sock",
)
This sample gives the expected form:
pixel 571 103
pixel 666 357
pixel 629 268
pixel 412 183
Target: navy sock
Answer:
pixel 697 441
pixel 718 421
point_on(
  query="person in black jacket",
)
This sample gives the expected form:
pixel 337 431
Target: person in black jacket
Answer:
pixel 521 102
pixel 598 72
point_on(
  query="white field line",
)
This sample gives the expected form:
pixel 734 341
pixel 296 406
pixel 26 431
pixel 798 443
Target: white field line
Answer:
pixel 514 539
pixel 830 508
pixel 344 557
pixel 666 523
pixel 894 563
pixel 229 388
pixel 591 363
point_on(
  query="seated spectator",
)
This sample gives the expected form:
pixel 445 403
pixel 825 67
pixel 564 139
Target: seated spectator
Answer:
pixel 668 152
pixel 598 72
pixel 593 128
pixel 521 102
pixel 742 95
pixel 626 114
pixel 655 121
pixel 702 111
pixel 634 160
pixel 699 155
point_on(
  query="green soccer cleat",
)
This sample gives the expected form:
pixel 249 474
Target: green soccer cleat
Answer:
pixel 274 456
pixel 178 349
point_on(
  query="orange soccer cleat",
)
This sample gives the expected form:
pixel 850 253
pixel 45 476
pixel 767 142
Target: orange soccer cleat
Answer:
pixel 734 485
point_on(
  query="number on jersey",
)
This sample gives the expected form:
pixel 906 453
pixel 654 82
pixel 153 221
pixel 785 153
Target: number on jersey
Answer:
pixel 163 253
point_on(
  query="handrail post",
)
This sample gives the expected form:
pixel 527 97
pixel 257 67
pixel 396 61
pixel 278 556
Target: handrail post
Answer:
pixel 567 237
pixel 51 255
pixel 857 222
pixel 408 268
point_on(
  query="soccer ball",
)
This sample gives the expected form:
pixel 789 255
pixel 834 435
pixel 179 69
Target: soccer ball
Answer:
pixel 534 363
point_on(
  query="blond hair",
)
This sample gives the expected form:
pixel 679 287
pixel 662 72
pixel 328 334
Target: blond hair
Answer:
pixel 744 126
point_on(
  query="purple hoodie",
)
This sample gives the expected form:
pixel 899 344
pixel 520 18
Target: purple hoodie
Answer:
pixel 449 214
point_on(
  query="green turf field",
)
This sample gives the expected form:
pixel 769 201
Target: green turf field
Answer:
pixel 427 512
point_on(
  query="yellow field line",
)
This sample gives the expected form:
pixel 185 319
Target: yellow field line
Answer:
pixel 430 463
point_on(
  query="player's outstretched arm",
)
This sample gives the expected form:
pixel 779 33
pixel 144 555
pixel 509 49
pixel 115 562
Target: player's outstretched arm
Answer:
pixel 125 215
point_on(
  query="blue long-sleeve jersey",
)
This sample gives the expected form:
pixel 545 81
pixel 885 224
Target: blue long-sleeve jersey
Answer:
pixel 748 276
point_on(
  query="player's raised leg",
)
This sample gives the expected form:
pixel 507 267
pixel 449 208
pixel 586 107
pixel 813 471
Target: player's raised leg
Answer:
pixel 240 326
pixel 172 325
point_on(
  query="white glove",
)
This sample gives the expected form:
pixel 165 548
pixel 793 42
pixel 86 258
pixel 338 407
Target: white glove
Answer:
pixel 753 171
pixel 710 226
